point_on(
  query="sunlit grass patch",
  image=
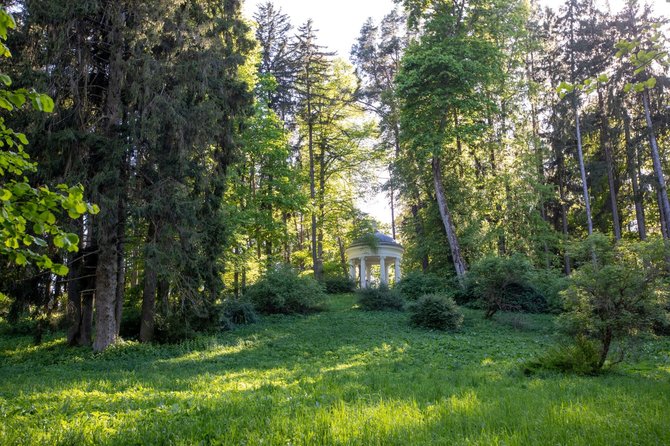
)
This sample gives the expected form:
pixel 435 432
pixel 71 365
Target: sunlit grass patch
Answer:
pixel 344 376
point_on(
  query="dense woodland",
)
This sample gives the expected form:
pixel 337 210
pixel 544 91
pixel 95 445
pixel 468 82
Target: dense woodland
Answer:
pixel 218 148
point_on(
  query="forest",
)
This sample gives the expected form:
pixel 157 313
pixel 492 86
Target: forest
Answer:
pixel 173 170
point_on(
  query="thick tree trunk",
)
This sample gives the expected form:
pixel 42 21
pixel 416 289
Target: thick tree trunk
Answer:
pixel 656 160
pixel 105 297
pixel 638 197
pixel 604 144
pixel 459 263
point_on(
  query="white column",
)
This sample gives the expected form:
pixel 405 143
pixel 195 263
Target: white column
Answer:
pixel 384 277
pixel 364 284
pixel 352 270
pixel 397 269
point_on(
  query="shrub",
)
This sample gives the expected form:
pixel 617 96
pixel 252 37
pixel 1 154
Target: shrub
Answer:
pixel 238 312
pixel 379 299
pixel 504 283
pixel 580 357
pixel 173 328
pixel 611 298
pixel 283 291
pixel 549 283
pixel 416 284
pixel 336 285
pixel 436 311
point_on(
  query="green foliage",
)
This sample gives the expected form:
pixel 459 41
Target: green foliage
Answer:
pixel 505 284
pixel 612 297
pixel 436 311
pixel 282 290
pixel 380 298
pixel 28 222
pixel 339 284
pixel 416 284
pixel 579 357
pixel 239 311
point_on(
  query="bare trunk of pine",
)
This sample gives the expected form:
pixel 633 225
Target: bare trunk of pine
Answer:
pixel 312 191
pixel 656 160
pixel 582 169
pixel 149 287
pixel 638 197
pixel 459 263
pixel 605 145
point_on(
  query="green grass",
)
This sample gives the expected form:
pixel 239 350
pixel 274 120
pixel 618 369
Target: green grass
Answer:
pixel 339 377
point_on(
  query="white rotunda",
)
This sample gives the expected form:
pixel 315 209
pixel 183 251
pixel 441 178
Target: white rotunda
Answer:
pixel 380 249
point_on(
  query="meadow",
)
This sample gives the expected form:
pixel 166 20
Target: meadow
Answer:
pixel 342 376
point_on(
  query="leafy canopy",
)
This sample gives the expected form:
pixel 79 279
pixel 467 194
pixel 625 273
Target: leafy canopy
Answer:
pixel 28 214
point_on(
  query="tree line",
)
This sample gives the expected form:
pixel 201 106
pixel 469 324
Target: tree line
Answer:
pixel 218 149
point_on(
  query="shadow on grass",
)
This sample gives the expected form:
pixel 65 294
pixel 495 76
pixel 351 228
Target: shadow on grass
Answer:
pixel 340 377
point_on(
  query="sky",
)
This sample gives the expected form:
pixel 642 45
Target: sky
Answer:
pixel 339 23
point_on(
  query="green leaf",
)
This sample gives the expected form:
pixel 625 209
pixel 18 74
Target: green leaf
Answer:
pixel 651 82
pixel 20 259
pixel 4 103
pixel 47 103
pixel 60 270
pixel 22 138
pixel 5 79
pixel 5 195
pixel 59 241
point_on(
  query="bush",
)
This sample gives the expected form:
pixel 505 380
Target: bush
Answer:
pixel 505 284
pixel 337 285
pixel 416 284
pixel 379 299
pixel 580 357
pixel 436 311
pixel 173 329
pixel 549 283
pixel 612 297
pixel 239 312
pixel 283 291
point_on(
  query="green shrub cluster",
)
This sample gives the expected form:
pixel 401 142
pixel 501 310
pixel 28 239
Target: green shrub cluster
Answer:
pixel 416 284
pixel 580 357
pixel 238 312
pixel 282 291
pixel 436 311
pixel 339 284
pixel 379 299
pixel 505 284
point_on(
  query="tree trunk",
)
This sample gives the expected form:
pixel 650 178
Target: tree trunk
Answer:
pixel 105 297
pixel 121 270
pixel 73 308
pixel 604 144
pixel 459 263
pixel 638 194
pixel 149 287
pixel 582 169
pixel 312 192
pixel 418 228
pixel 656 159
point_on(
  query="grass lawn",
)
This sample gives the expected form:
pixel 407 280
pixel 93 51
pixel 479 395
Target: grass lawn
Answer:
pixel 339 377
